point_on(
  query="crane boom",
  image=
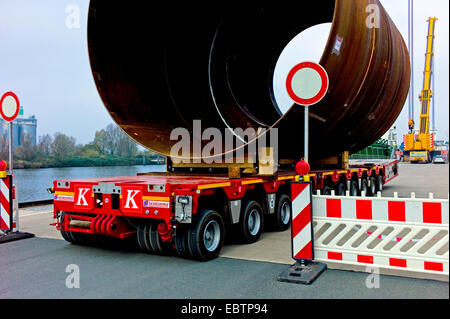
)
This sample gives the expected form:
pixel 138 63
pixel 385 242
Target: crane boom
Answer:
pixel 421 146
pixel 427 94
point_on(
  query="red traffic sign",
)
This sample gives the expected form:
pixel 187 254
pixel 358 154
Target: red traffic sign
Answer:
pixel 9 106
pixel 307 83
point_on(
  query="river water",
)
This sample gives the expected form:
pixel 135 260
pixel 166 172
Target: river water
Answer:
pixel 32 184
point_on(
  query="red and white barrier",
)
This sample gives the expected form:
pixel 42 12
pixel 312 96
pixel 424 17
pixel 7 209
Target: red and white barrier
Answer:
pixel 408 210
pixel 302 240
pixel 393 233
pixel 6 208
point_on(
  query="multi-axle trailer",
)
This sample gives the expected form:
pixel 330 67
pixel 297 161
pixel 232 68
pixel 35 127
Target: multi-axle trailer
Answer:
pixel 225 83
pixel 192 214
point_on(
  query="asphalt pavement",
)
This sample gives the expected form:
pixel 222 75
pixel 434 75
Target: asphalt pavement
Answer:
pixel 36 268
pixel 421 179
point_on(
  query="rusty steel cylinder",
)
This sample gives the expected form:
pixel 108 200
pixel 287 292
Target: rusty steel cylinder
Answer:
pixel 160 67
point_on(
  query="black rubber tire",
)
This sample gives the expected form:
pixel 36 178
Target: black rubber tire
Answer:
pixel 75 238
pixel 81 238
pixel 364 187
pixel 278 223
pixel 181 241
pixel 341 188
pixel 372 187
pixel 379 185
pixel 65 234
pixel 196 234
pixel 326 191
pixel 354 191
pixel 147 245
pixel 247 235
pixel 142 237
pixel 157 245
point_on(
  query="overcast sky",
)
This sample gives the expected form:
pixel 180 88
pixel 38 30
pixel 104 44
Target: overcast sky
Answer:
pixel 47 64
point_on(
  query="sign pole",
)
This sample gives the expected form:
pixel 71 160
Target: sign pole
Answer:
pixel 9 109
pixel 306 153
pixel 10 148
pixel 306 84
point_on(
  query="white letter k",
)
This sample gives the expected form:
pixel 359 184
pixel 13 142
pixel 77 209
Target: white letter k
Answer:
pixel 130 198
pixel 83 192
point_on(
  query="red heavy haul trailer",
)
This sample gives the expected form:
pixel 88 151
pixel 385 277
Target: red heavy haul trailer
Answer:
pixel 225 80
pixel 191 213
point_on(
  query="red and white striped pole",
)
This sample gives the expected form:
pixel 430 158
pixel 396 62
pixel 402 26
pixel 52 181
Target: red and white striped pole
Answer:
pixel 305 271
pixel 9 209
pixel 302 232
pixel 6 204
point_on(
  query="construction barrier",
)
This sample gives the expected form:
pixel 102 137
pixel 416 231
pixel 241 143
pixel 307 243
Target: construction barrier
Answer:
pixel 6 202
pixel 9 211
pixel 302 240
pixel 392 233
pixel 306 270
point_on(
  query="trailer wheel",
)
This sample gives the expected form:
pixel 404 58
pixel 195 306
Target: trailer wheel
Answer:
pixel 372 186
pixel 157 245
pixel 341 189
pixel 354 188
pixel 379 183
pixel 252 222
pixel 65 234
pixel 281 220
pixel 364 187
pixel 326 191
pixel 80 238
pixel 206 236
pixel 147 244
pixel 143 237
pixel 140 236
pixel 74 237
pixel 181 241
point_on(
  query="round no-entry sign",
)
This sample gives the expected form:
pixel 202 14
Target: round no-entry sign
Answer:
pixel 307 83
pixel 9 106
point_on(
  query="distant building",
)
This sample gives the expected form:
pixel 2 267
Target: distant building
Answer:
pixel 21 127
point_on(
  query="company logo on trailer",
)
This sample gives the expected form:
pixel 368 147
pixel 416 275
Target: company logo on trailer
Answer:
pixel 156 204
pixel 63 198
pixel 83 197
pixel 131 199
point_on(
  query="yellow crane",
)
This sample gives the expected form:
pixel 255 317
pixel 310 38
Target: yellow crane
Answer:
pixel 419 147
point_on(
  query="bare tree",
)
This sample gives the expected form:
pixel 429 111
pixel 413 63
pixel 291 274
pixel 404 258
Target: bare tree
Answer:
pixel 117 142
pixel 45 143
pixel 114 133
pixel 102 142
pixel 62 147
pixel 27 150
pixel 127 147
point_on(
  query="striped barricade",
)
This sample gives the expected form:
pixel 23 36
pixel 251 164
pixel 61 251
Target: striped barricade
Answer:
pixel 392 233
pixel 306 270
pixel 9 211
pixel 6 201
pixel 302 240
